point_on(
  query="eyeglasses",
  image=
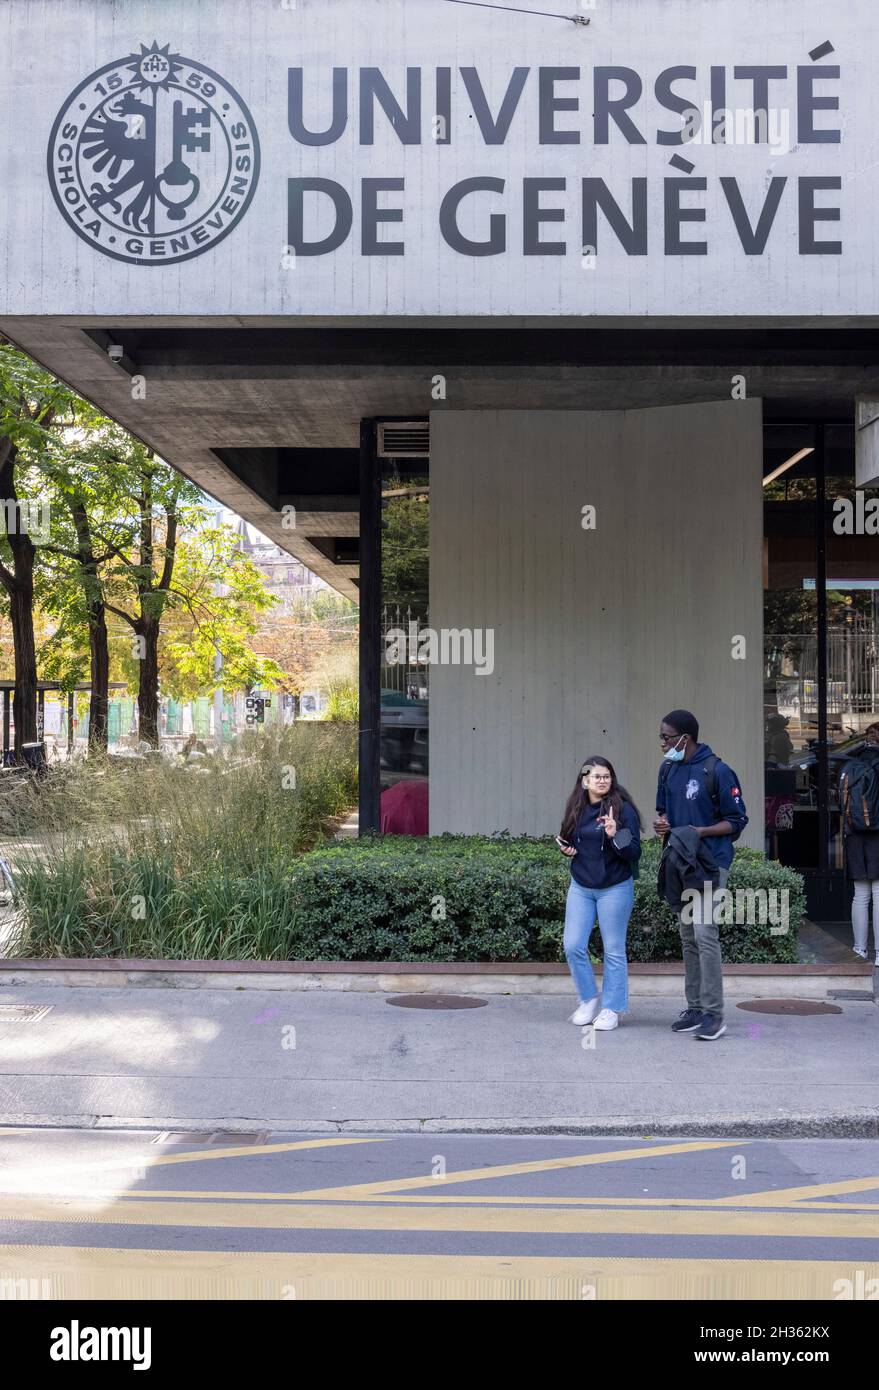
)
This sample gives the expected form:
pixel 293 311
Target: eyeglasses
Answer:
pixel 596 776
pixel 670 738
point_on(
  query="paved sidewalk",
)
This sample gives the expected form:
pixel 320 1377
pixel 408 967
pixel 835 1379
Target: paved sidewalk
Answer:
pixel 205 1059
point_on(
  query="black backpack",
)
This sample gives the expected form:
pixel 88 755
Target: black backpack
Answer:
pixel 709 767
pixel 859 795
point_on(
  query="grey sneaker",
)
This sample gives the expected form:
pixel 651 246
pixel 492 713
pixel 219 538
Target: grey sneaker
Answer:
pixel 689 1021
pixel 712 1027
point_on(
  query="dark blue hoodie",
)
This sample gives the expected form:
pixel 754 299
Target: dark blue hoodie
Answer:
pixel 686 800
pixel 599 862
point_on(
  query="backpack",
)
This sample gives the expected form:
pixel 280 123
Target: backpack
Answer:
pixel 859 795
pixel 710 769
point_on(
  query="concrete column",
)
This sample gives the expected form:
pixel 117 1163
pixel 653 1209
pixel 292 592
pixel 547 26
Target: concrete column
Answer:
pixel 597 632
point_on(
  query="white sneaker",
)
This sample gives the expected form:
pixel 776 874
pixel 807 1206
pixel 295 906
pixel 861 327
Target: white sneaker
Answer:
pixel 606 1020
pixel 858 952
pixel 586 1012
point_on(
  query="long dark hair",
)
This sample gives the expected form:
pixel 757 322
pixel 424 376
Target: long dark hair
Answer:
pixel 580 797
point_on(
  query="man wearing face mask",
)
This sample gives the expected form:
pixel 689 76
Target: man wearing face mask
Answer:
pixel 698 792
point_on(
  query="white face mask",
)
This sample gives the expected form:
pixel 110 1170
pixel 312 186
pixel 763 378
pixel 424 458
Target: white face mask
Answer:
pixel 676 754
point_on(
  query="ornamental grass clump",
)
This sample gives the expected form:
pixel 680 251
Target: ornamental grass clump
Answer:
pixel 154 859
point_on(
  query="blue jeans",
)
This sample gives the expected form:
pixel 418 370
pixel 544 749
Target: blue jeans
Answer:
pixel 613 907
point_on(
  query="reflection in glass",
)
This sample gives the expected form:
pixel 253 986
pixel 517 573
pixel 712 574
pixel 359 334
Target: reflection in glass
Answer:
pixel 852 617
pixel 790 671
pixel 405 680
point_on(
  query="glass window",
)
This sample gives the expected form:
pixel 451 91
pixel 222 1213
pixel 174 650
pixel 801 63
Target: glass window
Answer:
pixel 852 615
pixel 405 681
pixel 790 671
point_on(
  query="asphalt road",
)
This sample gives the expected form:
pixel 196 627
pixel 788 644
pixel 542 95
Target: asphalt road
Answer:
pixel 158 1215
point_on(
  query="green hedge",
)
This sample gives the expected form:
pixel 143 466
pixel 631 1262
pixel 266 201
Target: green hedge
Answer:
pixel 451 897
pixel 221 889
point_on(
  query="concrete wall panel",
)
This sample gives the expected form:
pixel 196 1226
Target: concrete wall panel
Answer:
pixel 597 633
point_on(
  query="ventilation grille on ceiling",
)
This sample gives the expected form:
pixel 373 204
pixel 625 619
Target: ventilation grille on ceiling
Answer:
pixel 404 439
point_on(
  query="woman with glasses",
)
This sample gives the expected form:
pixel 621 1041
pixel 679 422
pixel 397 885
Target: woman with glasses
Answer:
pixel 601 835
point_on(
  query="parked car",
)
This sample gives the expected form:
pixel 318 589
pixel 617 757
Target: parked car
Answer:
pixel 404 734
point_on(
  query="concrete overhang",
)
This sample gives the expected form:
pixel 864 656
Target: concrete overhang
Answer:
pixel 264 414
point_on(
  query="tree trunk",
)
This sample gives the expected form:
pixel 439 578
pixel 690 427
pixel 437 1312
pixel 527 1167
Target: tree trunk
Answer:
pixel 148 689
pixel 24 700
pixel 19 585
pixel 97 620
pixel 100 676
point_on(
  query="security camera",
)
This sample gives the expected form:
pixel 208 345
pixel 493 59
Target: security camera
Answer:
pixel 115 352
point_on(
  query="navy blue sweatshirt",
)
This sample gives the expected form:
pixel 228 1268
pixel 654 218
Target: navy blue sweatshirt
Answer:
pixel 601 862
pixel 686 800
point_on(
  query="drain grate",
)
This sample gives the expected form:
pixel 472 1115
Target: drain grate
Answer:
pixel 436 1001
pixel 789 1006
pixel 23 1013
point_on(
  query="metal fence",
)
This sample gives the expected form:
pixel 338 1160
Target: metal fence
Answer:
pixel 791 671
pixel 409 676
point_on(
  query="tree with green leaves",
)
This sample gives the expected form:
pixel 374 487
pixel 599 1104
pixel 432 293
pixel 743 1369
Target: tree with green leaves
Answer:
pixel 87 481
pixel 35 409
pixel 129 538
pixel 123 508
pixel 138 544
pixel 218 596
pixel 153 499
pixel 406 544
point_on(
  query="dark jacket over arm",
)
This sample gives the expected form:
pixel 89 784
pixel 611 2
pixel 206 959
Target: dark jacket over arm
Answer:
pixel 685 863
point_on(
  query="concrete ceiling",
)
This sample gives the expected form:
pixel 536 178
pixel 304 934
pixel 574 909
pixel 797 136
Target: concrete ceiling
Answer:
pixel 250 410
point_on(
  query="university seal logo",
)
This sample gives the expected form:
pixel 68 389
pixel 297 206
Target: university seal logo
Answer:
pixel 154 158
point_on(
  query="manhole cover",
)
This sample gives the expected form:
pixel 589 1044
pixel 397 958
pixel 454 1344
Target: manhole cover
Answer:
pixel 23 1013
pixel 437 1001
pixel 789 1006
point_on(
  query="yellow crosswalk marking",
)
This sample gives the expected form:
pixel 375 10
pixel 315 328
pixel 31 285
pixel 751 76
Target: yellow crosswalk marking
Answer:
pixel 784 1196
pixel 673 1221
pixel 551 1201
pixel 431 1199
pixel 506 1170
pixel 486 1199
pixel 13 1177
pixel 253 1150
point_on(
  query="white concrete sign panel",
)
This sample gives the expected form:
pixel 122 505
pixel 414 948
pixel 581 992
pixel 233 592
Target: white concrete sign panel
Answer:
pixel 667 158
